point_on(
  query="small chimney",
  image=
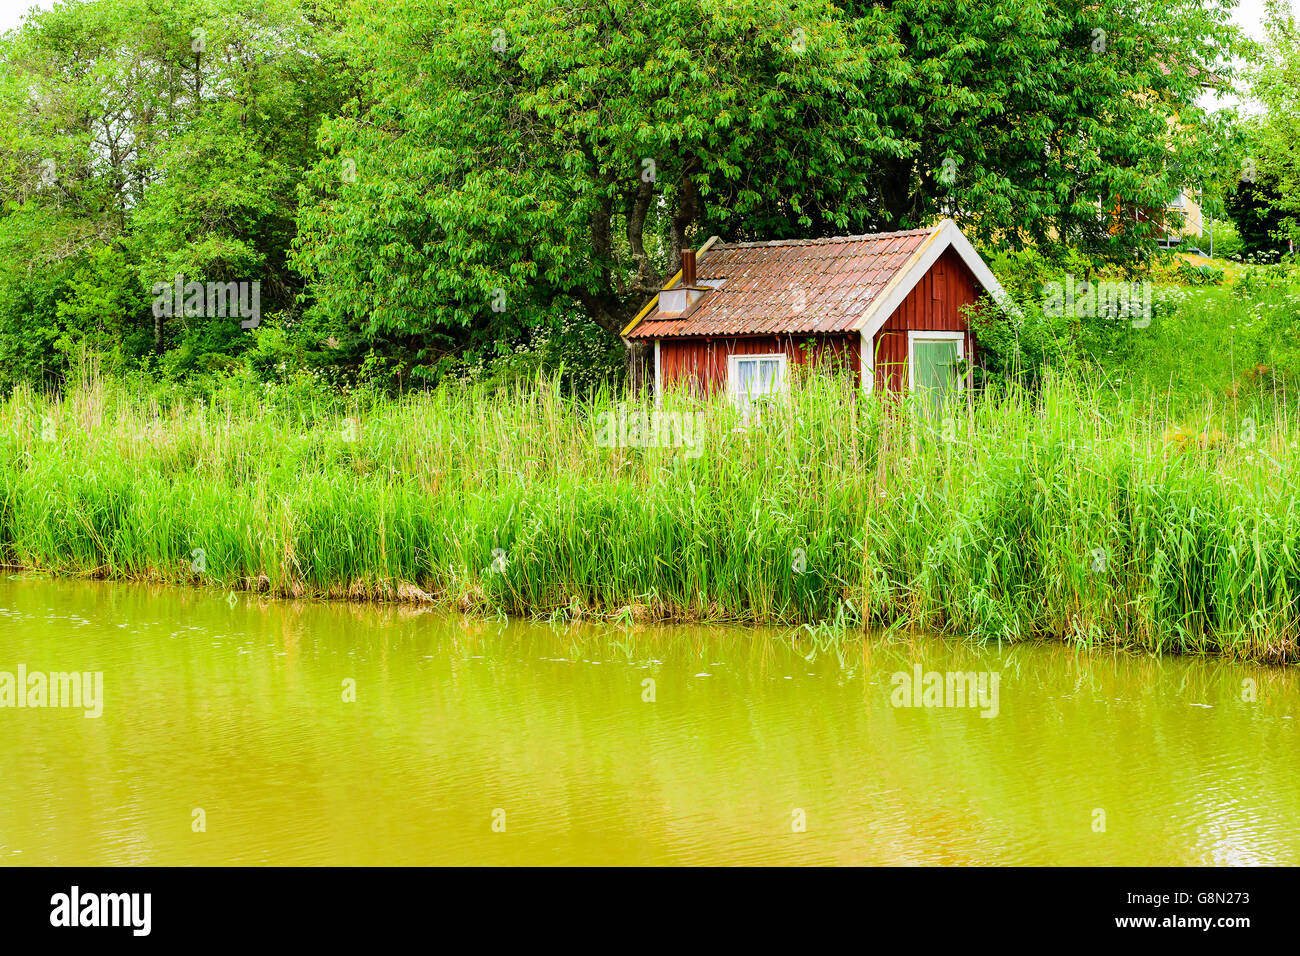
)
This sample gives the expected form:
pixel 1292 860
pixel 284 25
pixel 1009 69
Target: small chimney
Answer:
pixel 682 297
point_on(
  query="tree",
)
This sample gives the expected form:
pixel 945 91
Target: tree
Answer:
pixel 436 178
pixel 1274 205
pixel 142 140
pixel 519 155
pixel 1254 208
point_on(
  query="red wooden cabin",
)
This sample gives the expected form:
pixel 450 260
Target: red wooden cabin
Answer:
pixel 887 306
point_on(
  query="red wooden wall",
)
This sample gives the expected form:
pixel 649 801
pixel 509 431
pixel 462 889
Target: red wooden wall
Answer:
pixel 703 361
pixel 934 305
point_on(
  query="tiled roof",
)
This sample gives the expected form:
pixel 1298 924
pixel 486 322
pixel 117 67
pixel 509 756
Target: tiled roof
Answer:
pixel 788 286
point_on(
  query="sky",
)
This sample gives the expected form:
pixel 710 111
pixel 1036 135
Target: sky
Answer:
pixel 1249 15
pixel 11 11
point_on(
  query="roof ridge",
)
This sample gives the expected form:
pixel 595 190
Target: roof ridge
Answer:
pixel 828 240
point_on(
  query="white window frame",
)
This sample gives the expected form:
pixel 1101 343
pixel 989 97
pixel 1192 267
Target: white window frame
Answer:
pixel 782 383
pixel 923 335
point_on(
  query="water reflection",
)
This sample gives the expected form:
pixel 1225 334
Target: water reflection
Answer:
pixel 241 712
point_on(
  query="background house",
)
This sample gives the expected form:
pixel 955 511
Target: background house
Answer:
pixel 886 308
pixel 1180 219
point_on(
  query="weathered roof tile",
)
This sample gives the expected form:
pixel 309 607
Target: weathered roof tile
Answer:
pixel 789 286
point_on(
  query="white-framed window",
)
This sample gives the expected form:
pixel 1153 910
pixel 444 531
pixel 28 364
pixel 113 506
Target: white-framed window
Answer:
pixel 934 362
pixel 752 379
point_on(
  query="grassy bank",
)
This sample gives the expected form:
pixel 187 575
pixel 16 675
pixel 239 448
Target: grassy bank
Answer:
pixel 1079 515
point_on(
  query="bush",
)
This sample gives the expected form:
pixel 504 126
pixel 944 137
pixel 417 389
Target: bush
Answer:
pixel 1198 275
pixel 1226 243
pixel 1024 349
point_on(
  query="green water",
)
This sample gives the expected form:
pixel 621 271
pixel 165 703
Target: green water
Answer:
pixel 240 712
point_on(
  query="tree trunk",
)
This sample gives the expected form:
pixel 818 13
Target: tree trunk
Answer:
pixel 895 184
pixel 640 373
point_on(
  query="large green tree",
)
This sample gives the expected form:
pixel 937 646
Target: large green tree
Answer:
pixel 141 140
pixel 1274 162
pixel 437 178
pixel 520 155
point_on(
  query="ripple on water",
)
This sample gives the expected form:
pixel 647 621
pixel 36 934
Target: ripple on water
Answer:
pixel 472 741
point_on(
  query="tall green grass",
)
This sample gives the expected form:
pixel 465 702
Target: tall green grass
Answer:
pixel 1059 515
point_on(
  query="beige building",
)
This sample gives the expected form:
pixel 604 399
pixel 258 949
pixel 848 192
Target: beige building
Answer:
pixel 1186 207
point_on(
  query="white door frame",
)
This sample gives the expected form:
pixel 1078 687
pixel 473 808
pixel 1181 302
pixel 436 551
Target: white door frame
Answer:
pixel 923 335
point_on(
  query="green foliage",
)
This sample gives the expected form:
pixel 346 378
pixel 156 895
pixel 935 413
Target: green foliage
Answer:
pixel 1198 275
pixel 987 521
pixel 1254 207
pixel 1258 281
pixel 1275 81
pixel 428 189
pixel 582 356
pixel 755 122
pixel 473 218
pixel 144 142
pixel 102 300
pixel 1023 349
pixel 1209 345
pixel 1025 272
pixel 30 291
pixel 1227 242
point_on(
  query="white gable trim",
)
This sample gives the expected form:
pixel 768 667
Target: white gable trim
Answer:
pixel 945 236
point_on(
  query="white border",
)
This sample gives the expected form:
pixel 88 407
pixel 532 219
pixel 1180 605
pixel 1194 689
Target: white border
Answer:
pixel 924 335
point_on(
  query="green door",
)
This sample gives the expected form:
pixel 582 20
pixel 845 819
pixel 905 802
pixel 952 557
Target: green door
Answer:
pixel 936 372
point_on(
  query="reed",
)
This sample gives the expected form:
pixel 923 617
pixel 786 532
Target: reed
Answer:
pixel 1071 513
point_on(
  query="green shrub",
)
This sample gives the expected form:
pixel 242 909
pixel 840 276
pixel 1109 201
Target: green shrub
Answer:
pixel 1191 274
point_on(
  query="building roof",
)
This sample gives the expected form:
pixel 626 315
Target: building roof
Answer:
pixel 807 286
